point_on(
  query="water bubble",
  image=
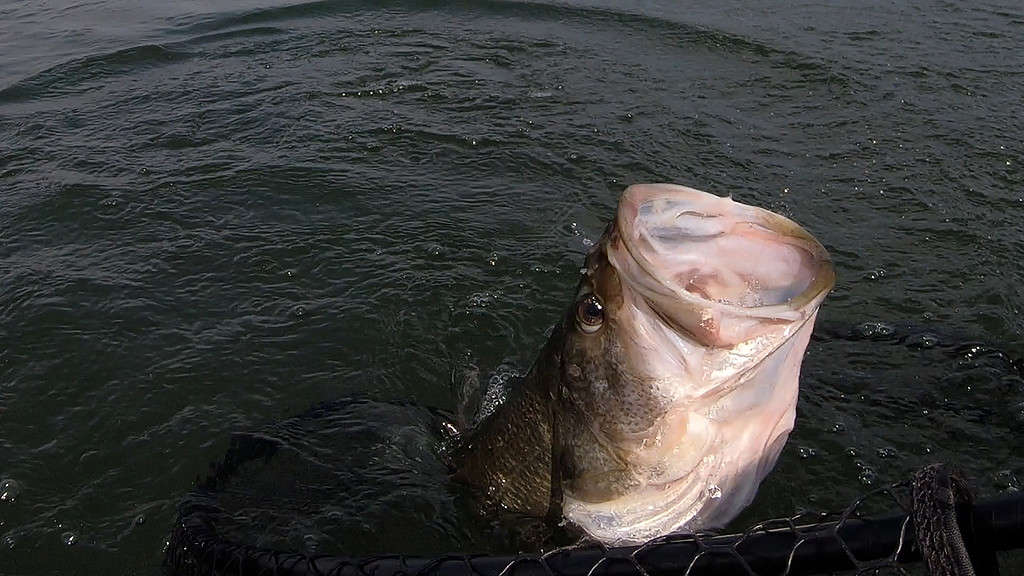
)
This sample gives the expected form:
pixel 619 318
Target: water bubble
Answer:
pixel 923 341
pixel 139 520
pixel 572 156
pixel 311 542
pixel 851 452
pixel 875 274
pixel 714 492
pixel 1006 481
pixel 886 452
pixel 874 329
pixel 806 452
pixel 482 299
pixel 838 427
pixel 69 538
pixel 9 490
pixel 300 311
pixel 8 542
pixel 867 476
pixel 434 249
pixel 493 259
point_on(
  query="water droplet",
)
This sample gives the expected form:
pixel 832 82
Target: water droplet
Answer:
pixel 572 156
pixel 139 520
pixel 807 452
pixel 714 492
pixel 851 452
pixel 867 476
pixel 434 249
pixel 493 259
pixel 69 538
pixel 838 427
pixel 9 490
pixel 300 311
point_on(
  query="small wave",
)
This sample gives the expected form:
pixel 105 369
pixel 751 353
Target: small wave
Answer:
pixel 69 76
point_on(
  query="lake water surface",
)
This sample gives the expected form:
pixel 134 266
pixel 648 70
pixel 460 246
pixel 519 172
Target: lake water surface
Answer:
pixel 214 215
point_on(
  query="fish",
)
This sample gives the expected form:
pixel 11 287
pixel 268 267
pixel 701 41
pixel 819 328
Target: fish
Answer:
pixel 666 392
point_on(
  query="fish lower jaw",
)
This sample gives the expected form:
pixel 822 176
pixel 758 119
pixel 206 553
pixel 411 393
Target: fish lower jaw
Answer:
pixel 657 509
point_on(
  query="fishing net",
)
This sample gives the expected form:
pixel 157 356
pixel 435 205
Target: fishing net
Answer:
pixel 290 499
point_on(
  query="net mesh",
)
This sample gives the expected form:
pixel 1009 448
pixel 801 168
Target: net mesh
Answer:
pixel 873 535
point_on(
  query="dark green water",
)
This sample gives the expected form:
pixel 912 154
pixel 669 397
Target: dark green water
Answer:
pixel 213 216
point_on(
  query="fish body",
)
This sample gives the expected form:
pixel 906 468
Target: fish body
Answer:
pixel 667 391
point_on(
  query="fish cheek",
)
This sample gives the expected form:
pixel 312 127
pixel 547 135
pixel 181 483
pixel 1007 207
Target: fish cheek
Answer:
pixel 591 468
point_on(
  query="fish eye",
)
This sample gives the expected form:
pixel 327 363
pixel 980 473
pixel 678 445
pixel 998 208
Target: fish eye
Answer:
pixel 589 314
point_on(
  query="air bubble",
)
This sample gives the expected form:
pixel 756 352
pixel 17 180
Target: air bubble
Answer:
pixel 867 476
pixel 807 452
pixel 69 538
pixel 886 452
pixel 493 259
pixel 9 490
pixel 923 341
pixel 1006 481
pixel 874 329
pixel 838 427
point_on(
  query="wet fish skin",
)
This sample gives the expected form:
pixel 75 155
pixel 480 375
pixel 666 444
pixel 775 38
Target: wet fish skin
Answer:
pixel 669 413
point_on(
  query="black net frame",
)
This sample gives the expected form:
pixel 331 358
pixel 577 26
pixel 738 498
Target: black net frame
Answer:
pixel 850 541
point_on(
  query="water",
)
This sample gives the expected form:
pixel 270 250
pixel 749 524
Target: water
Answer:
pixel 213 216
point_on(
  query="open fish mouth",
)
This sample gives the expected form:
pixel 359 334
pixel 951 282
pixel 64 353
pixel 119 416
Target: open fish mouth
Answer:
pixel 713 265
pixel 712 310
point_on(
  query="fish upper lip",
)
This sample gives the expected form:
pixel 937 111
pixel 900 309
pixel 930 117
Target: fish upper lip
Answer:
pixel 824 273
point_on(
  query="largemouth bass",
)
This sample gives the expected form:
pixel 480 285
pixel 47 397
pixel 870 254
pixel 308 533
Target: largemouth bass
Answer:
pixel 667 391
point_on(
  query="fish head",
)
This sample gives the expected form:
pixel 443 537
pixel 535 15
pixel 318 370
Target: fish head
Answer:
pixel 680 361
